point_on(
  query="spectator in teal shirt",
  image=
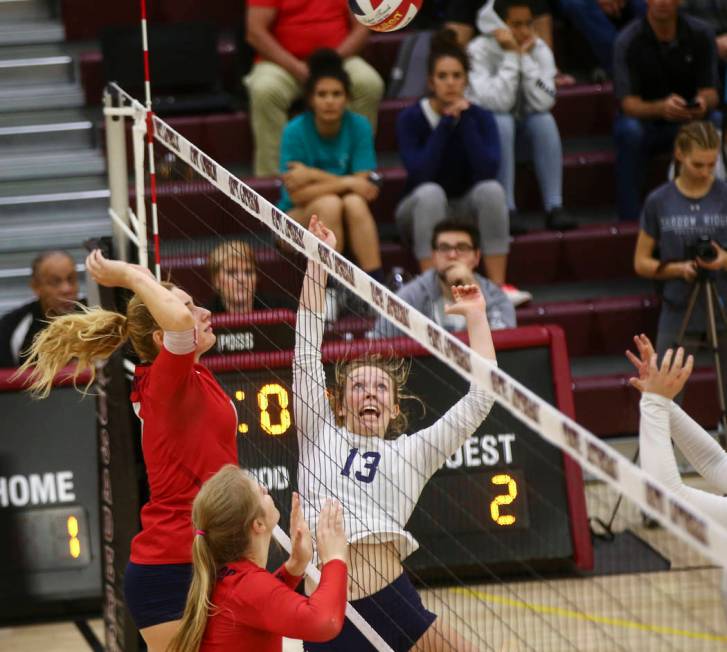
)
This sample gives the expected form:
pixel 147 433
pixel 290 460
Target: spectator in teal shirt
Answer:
pixel 327 163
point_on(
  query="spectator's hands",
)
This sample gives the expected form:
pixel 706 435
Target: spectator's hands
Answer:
pixel 667 380
pixel 646 353
pixel 458 274
pixel 322 232
pixel 527 45
pixel 468 301
pixel 455 109
pixel 506 39
pixel 674 109
pixel 564 79
pixel 686 270
pixel 300 71
pixel 700 111
pixel 362 186
pixel 301 551
pixel 720 262
pixel 297 176
pixel 331 537
pixel 722 46
pixel 113 273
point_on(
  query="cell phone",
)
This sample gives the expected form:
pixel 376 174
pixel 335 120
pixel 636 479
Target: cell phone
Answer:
pixel 692 104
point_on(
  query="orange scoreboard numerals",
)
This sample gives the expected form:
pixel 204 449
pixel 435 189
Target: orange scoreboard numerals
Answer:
pixel 263 401
pixel 506 481
pixel 74 544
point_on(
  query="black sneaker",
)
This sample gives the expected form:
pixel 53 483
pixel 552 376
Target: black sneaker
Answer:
pixel 557 219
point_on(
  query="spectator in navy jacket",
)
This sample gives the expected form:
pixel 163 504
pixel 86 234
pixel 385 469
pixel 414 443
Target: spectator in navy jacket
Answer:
pixel 451 152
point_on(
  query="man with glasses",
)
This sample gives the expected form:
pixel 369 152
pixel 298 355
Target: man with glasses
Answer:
pixel 455 259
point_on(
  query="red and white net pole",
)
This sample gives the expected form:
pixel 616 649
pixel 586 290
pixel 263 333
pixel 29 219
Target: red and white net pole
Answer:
pixel 150 143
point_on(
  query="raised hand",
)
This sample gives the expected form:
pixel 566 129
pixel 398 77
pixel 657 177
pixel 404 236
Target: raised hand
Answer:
pixel 301 551
pixel 322 232
pixel 646 352
pixel 113 273
pixel 468 300
pixel 667 380
pixel 331 537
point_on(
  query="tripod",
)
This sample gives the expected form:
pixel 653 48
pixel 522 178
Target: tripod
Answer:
pixel 704 284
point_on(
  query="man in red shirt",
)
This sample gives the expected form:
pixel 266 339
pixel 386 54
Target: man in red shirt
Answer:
pixel 284 33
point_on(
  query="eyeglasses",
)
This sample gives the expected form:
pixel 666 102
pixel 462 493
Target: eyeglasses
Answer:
pixel 460 248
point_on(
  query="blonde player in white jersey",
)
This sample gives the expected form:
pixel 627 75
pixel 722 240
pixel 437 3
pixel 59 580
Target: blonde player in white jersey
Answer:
pixel 352 448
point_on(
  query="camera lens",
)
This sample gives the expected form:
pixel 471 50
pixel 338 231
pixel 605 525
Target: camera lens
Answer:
pixel 704 249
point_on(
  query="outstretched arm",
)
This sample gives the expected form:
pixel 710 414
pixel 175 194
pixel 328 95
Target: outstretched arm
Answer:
pixel 702 451
pixel 168 310
pixel 310 402
pixel 659 385
pixel 430 448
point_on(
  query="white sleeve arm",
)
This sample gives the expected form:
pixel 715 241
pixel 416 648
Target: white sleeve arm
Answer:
pixel 538 68
pixel 310 401
pixel 180 342
pixel 698 446
pixel 428 449
pixel 494 90
pixel 657 457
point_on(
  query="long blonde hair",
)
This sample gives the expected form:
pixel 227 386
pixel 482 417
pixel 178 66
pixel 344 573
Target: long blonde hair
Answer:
pixel 222 515
pixel 87 336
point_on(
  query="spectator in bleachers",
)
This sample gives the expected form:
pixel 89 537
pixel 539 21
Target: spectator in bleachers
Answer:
pixel 55 282
pixel 285 33
pixel 665 74
pixel 462 19
pixel 451 152
pixel 328 163
pixel 233 272
pixel 455 261
pixel 513 75
pixel 713 12
pixel 676 215
pixel 599 21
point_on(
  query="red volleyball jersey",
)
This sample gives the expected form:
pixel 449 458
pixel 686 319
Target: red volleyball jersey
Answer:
pixel 302 26
pixel 189 428
pixel 254 609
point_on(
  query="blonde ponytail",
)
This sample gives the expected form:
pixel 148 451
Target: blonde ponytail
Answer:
pixel 87 336
pixel 222 513
pixel 194 620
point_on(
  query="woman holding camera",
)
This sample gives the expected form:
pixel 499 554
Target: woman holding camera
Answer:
pixel 685 220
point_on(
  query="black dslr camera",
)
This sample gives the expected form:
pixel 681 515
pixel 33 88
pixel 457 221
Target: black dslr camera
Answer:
pixel 701 248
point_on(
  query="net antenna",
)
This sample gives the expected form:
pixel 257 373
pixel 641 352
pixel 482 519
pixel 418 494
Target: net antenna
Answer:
pixel 602 462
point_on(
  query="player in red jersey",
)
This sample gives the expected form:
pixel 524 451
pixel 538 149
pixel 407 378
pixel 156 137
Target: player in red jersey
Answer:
pixel 234 603
pixel 189 424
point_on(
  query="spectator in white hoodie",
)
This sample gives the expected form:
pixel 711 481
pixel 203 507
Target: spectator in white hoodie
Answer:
pixel 513 75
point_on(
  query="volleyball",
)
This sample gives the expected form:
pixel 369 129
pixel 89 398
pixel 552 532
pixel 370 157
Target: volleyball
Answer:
pixel 384 15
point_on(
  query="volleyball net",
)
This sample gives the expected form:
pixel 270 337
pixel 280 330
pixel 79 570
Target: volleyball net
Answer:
pixel 533 535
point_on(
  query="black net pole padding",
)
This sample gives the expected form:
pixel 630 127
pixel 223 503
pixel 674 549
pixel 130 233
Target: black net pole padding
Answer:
pixel 119 493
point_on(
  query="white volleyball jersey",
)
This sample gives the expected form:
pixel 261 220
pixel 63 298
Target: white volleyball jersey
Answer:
pixel 377 481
